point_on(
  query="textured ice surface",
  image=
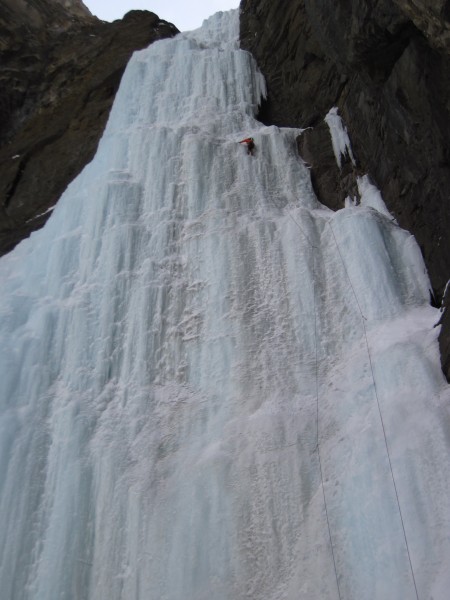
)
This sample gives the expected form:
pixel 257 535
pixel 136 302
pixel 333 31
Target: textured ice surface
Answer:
pixel 178 338
pixel 371 196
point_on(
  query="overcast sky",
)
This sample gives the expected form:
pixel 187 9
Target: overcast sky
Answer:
pixel 184 14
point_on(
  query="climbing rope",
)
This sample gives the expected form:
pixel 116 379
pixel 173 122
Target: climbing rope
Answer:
pixel 317 424
pixel 313 247
pixel 364 319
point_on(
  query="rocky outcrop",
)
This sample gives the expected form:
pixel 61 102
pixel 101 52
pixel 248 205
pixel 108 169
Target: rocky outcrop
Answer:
pixel 432 17
pixel 385 65
pixel 60 70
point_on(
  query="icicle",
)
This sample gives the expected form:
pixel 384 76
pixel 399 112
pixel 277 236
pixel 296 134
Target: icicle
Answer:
pixel 339 137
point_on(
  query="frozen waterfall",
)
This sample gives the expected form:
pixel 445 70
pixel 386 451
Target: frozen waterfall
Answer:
pixel 211 386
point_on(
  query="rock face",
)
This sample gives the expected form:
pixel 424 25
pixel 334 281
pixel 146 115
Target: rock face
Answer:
pixel 385 65
pixel 60 70
pixel 432 17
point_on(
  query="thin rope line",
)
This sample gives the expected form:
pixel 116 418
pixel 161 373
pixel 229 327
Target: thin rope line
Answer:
pixel 318 430
pixel 376 396
pixel 346 272
pixel 317 395
pixel 296 222
pixel 380 414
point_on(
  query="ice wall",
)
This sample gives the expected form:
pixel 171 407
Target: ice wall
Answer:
pixel 212 386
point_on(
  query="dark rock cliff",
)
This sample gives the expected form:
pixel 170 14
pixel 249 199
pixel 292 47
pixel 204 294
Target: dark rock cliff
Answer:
pixel 60 70
pixel 385 65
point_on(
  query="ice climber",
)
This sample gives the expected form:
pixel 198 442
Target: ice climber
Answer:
pixel 249 142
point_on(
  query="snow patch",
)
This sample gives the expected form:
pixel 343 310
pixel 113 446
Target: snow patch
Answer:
pixel 49 210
